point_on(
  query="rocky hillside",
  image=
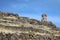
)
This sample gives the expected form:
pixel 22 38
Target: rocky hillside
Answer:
pixel 15 27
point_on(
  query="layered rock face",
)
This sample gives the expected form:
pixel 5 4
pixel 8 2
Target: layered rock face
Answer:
pixel 14 27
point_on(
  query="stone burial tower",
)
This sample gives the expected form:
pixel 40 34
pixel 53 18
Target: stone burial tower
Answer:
pixel 44 18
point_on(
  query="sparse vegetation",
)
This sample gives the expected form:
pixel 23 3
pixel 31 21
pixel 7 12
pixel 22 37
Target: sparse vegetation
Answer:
pixel 24 28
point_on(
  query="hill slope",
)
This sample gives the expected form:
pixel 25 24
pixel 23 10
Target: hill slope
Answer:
pixel 13 27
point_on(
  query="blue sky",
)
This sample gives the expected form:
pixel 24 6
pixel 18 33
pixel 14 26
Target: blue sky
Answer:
pixel 33 8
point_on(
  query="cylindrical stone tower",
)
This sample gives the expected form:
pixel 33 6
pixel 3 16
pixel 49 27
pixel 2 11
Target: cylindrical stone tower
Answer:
pixel 44 18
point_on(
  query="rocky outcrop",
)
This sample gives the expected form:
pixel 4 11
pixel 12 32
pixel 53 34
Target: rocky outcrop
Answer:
pixel 25 36
pixel 15 27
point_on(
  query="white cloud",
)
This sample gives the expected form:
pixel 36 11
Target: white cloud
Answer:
pixel 55 19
